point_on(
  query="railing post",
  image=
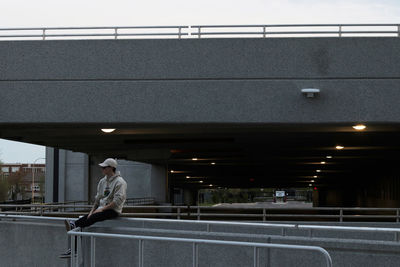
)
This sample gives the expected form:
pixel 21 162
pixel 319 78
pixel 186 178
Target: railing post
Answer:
pixel 92 252
pixel 199 30
pixel 73 238
pixel 398 30
pixel 397 215
pixel 195 259
pixel 141 253
pixel 180 32
pixel 264 34
pixel 179 214
pixel 198 213
pixel 255 257
pixel 341 215
pixel 340 30
pixel 44 34
pixel 264 214
pixel 115 33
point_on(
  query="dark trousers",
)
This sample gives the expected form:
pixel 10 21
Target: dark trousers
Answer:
pixel 96 217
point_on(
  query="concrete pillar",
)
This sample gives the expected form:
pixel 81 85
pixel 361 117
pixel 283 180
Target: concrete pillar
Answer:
pixel 71 174
pixel 190 196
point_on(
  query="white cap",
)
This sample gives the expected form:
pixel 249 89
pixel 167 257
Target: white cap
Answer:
pixel 109 163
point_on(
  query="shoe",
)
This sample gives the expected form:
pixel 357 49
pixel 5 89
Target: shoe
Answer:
pixel 69 225
pixel 66 254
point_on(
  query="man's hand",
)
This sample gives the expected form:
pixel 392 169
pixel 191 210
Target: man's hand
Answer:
pixel 94 211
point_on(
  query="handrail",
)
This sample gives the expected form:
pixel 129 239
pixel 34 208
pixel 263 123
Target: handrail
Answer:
pixel 201 31
pixel 195 242
pixel 198 212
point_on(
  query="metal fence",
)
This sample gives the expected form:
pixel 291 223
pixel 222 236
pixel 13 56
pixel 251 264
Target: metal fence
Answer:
pixel 77 238
pixel 217 213
pixel 202 31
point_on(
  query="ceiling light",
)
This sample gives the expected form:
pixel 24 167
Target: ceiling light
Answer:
pixel 172 171
pixel 315 176
pixel 108 130
pixel 194 158
pixel 318 170
pixel 339 147
pixel 328 157
pixel 310 185
pixel 212 163
pixel 201 182
pixel 312 181
pixel 323 162
pixel 210 185
pixel 359 127
pixel 187 177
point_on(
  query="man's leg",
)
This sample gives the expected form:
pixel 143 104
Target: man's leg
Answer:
pixel 96 217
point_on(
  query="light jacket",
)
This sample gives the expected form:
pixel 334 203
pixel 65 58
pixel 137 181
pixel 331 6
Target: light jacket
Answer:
pixel 111 189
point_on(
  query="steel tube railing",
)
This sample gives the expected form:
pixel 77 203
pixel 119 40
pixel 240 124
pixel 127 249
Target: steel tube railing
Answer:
pixel 75 233
pixel 202 31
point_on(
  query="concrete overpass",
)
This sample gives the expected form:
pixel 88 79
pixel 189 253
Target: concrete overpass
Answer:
pixel 234 102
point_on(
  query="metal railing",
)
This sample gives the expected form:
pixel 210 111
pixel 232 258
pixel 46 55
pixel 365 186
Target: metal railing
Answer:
pixel 203 212
pixel 201 31
pixel 77 238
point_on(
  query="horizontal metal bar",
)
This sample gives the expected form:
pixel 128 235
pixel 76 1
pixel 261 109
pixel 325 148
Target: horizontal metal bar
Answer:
pixel 206 241
pixel 93 28
pixel 295 32
pixel 293 25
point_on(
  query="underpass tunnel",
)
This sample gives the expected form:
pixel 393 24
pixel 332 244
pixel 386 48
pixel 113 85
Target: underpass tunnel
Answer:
pixel 341 165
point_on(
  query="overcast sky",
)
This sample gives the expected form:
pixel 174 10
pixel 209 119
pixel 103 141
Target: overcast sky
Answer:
pixel 52 13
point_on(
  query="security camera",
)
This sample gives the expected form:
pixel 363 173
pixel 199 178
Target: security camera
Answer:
pixel 310 92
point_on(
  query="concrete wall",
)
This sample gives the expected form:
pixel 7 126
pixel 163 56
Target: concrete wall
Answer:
pixel 25 242
pixel 200 81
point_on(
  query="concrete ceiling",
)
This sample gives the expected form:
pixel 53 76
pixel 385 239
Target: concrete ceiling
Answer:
pixel 248 155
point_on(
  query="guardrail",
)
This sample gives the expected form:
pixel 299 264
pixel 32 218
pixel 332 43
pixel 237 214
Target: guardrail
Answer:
pixel 195 242
pixel 203 212
pixel 201 31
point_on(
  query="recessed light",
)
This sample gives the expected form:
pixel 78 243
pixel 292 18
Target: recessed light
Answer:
pixel 339 147
pixel 187 177
pixel 328 157
pixel 194 158
pixel 309 184
pixel 315 176
pixel 212 163
pixel 210 185
pixel 359 127
pixel 172 171
pixel 312 181
pixel 318 170
pixel 323 162
pixel 108 130
pixel 201 182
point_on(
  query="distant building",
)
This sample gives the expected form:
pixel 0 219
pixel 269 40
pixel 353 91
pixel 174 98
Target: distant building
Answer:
pixel 20 178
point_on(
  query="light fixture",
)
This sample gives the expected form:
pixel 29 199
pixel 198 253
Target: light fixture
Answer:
pixel 315 176
pixel 201 182
pixel 359 127
pixel 194 158
pixel 318 170
pixel 312 181
pixel 172 171
pixel 323 162
pixel 328 157
pixel 339 147
pixel 187 177
pixel 212 163
pixel 108 130
pixel 210 185
pixel 309 184
pixel 310 92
